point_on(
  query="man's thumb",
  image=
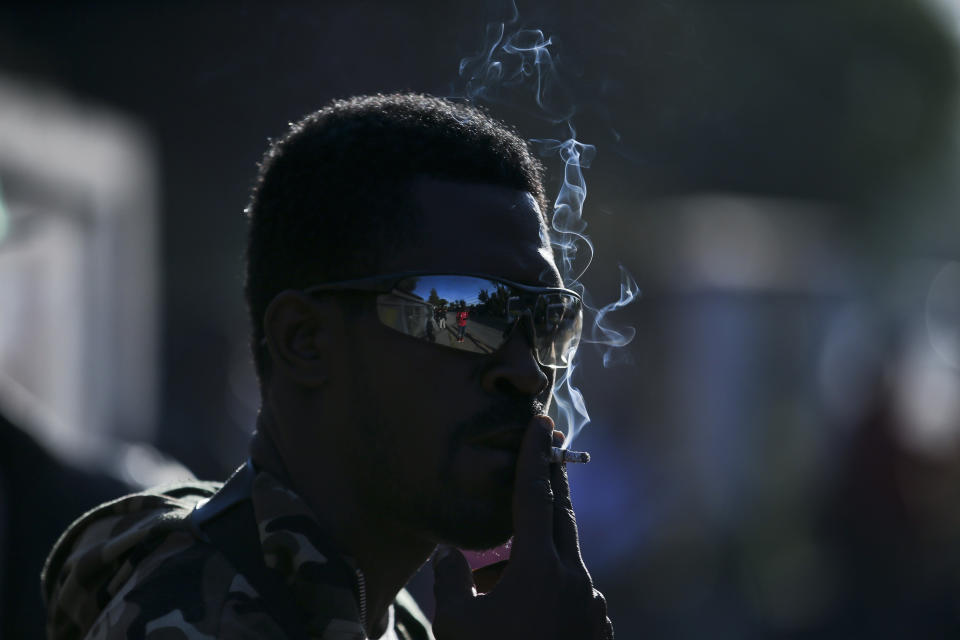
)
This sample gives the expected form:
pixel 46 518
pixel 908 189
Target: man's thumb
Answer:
pixel 452 579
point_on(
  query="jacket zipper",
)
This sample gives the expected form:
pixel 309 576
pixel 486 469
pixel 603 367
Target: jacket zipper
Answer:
pixel 362 589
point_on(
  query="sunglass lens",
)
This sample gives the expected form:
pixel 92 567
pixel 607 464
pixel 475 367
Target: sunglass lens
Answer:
pixel 477 315
pixel 557 323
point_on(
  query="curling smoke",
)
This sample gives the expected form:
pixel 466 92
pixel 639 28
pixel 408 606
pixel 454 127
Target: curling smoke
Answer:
pixel 512 62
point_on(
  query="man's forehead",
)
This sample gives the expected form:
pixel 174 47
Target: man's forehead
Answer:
pixel 479 228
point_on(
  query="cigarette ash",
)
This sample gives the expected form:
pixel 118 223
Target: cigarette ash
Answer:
pixel 558 455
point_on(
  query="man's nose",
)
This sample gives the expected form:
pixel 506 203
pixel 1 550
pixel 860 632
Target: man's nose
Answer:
pixel 514 367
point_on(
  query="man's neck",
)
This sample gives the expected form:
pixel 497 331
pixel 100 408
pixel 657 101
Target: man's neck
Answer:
pixel 386 553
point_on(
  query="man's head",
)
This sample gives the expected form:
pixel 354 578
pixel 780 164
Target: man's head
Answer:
pixel 333 196
pixel 416 433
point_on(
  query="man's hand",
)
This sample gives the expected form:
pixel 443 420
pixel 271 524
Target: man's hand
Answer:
pixel 545 591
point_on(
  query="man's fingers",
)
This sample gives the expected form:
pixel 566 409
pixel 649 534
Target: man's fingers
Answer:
pixel 565 533
pixel 532 495
pixel 452 579
pixel 604 631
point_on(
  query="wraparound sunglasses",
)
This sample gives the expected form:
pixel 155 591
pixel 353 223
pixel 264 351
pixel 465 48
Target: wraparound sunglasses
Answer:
pixel 473 312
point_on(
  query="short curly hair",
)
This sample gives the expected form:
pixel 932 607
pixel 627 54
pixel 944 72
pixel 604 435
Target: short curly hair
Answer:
pixel 332 197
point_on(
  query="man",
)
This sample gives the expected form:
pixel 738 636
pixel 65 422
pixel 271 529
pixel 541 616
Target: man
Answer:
pixel 362 464
pixel 462 316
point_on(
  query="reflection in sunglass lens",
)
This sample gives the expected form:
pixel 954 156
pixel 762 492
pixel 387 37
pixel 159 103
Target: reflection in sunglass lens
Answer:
pixel 477 315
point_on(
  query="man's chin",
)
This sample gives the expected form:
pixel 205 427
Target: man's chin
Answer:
pixel 476 531
pixel 477 540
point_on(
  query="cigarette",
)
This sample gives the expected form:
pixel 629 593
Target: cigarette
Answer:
pixel 565 455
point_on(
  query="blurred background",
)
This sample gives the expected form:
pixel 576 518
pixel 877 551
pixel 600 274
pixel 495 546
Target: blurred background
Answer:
pixel 776 453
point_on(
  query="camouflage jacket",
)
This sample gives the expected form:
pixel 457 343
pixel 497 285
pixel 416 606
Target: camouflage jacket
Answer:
pixel 196 561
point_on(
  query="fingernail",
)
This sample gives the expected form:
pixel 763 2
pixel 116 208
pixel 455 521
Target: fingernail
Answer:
pixel 558 438
pixel 544 422
pixel 441 552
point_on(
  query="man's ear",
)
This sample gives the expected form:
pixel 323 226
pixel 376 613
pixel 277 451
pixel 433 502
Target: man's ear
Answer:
pixel 300 331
